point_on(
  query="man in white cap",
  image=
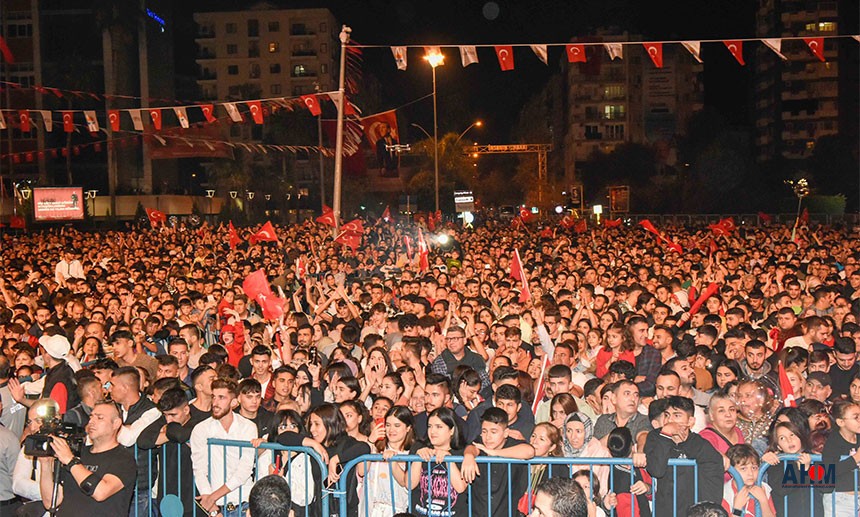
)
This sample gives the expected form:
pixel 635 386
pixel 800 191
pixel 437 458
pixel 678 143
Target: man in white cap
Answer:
pixel 59 376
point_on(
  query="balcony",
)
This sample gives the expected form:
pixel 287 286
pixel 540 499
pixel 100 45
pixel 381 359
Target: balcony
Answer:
pixel 205 33
pixel 308 75
pixel 300 29
pixel 211 76
pixel 205 54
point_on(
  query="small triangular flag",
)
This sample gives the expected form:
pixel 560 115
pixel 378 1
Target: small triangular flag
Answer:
pixel 92 121
pixel 48 119
pixel 736 47
pixel 540 52
pixel 136 119
pixel 775 44
pixel 233 111
pixel 655 52
pixel 695 48
pixel 468 55
pixel 615 50
pixel 182 116
pixel 816 45
pixel 575 53
pixel 399 57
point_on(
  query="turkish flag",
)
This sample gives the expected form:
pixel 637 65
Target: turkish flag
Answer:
pixel 712 247
pixel 575 53
pixel 581 226
pixel 256 111
pixel 301 268
pixel 518 223
pixel 256 287
pixel 719 229
pixel 17 222
pixel 386 214
pixel 526 215
pixel 327 218
pixel 709 291
pixel 785 388
pixel 408 243
pixel 655 52
pixel 567 222
pixel 612 223
pixel 736 47
pixel 804 216
pixel 350 239
pixel 24 118
pixel 431 222
pixel 355 226
pixel 765 218
pixel 235 240
pixel 266 233
pixel 729 224
pixel 423 252
pixel 68 122
pixel 519 274
pixel 546 233
pixel 156 217
pixel 113 117
pixel 6 52
pixel 208 112
pixel 816 45
pixel 649 226
pixel 155 115
pixel 505 53
pixel 313 104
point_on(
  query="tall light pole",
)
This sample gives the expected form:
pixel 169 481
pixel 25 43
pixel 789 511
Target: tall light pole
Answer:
pixel 435 58
pixel 476 123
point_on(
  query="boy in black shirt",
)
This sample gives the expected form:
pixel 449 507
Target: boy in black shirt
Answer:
pixel 675 440
pixel 492 479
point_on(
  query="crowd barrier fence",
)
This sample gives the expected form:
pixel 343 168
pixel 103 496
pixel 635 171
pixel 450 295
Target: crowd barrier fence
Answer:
pixel 266 454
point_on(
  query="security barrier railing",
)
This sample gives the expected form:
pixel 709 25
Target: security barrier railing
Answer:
pixel 301 466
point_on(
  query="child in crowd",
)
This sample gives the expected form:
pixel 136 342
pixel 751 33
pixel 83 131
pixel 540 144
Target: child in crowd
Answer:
pixel 742 500
pixel 842 441
pixel 788 438
pixel 628 489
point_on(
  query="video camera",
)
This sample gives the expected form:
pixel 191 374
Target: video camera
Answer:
pixel 38 445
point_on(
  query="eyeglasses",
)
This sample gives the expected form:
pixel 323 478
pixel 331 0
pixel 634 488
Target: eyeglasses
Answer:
pixel 454 338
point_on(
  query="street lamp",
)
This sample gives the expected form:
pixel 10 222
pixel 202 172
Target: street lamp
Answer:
pixel 435 58
pixel 210 193
pixel 91 194
pixel 477 123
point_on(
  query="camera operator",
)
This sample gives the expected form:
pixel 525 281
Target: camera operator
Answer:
pixel 101 480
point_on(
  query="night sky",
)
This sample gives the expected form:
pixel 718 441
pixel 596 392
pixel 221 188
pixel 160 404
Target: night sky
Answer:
pixel 482 90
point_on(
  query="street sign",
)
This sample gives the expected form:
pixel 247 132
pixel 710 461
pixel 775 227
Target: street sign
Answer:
pixel 464 201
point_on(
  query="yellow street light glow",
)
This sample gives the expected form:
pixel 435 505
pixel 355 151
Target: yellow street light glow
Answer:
pixel 479 123
pixel 435 59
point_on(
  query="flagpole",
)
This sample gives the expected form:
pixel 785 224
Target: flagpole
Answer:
pixel 338 148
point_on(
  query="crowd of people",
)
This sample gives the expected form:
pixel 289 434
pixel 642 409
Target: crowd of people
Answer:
pixel 504 341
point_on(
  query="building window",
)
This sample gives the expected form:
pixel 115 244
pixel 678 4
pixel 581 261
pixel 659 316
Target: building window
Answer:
pixel 613 111
pixel 275 68
pixel 20 31
pixel 233 91
pixel 615 91
pixel 253 49
pixel 232 28
pixel 276 89
pixel 298 29
pixel 592 133
pixel 300 71
pixel 323 48
pixel 298 90
pixel 254 71
pixel 233 70
pixel 615 131
pixel 826 26
pixel 323 27
pixel 274 26
pixel 274 47
pixel 253 28
pixel 232 49
pixel 810 145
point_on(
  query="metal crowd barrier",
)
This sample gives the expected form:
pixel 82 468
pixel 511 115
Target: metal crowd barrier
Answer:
pixel 513 499
pixel 262 461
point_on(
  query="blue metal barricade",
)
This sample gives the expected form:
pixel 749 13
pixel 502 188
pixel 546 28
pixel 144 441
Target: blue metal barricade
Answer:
pixel 376 464
pixel 297 466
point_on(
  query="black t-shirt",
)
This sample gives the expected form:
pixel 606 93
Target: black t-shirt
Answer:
pixel 430 497
pixel 117 461
pixel 496 476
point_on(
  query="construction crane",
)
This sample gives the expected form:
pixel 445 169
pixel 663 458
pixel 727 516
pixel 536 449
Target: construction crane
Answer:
pixel 539 149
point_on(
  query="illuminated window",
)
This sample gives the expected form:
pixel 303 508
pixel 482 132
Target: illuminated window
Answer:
pixel 810 145
pixel 810 27
pixel 300 70
pixel 826 26
pixel 613 112
pixel 274 47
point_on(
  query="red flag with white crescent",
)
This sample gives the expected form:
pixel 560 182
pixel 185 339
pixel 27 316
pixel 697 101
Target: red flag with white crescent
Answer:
pixel 256 287
pixel 355 226
pixel 256 111
pixel 655 52
pixel 156 217
pixel 785 388
pixel 24 118
pixel 266 233
pixel 312 103
pixel 736 47
pixel 505 53
pixel 575 53
pixel 386 214
pixel 155 115
pixel 68 122
pixel 301 268
pixel 519 274
pixel 612 223
pixel 235 240
pixel 816 45
pixel 208 112
pixel 113 117
pixel 581 226
pixel 567 222
pixel 327 218
pixel 423 252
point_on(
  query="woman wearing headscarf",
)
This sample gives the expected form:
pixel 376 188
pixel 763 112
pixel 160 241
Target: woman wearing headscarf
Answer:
pixel 578 442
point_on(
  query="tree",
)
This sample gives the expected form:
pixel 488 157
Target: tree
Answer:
pixel 455 171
